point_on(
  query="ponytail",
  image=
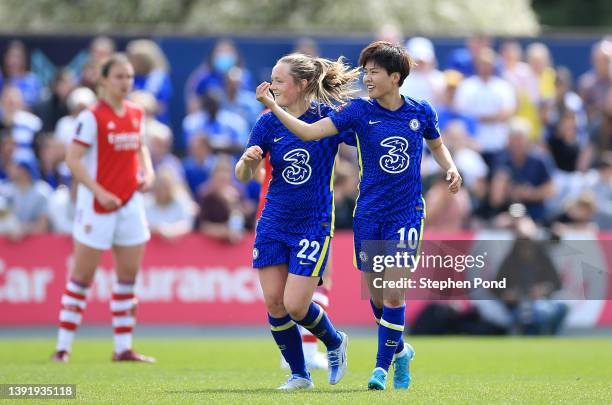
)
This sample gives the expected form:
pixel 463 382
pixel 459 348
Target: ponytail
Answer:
pixel 334 82
pixel 328 82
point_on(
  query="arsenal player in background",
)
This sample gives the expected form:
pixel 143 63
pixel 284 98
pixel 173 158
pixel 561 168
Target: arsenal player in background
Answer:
pixel 112 165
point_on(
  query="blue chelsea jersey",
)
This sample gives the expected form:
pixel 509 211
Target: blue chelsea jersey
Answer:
pixel 300 197
pixel 390 146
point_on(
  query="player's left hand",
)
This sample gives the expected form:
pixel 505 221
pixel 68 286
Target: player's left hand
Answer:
pixel 145 182
pixel 455 179
pixel 263 95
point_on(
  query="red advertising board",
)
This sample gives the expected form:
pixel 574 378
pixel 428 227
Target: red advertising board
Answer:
pixel 192 280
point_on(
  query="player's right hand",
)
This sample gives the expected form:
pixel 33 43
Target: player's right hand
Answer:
pixel 252 155
pixel 108 200
pixel 263 95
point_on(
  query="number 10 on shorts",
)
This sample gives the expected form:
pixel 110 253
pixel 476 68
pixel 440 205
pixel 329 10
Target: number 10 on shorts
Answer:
pixel 408 239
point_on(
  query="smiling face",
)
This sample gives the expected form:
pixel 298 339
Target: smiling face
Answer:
pixel 378 81
pixel 119 81
pixel 287 91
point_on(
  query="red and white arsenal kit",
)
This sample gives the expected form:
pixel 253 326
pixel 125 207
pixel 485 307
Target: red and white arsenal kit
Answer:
pixel 113 143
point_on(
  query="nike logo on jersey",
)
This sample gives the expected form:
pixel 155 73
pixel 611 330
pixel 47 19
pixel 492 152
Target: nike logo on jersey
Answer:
pixel 278 139
pixel 304 263
pixel 373 122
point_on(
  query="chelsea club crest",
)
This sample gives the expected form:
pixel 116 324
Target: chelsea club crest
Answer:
pixel 414 124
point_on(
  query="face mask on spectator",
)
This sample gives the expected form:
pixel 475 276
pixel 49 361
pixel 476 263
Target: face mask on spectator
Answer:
pixel 223 62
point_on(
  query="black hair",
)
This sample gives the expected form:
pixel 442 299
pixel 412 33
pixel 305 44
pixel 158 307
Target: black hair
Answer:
pixel 392 58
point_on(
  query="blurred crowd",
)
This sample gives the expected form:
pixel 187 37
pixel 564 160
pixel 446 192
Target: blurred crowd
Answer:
pixel 521 129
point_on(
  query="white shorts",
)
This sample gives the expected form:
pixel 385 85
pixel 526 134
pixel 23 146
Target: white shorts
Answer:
pixel 125 227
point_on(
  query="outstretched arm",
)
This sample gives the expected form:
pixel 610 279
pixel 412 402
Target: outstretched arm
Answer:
pixel 445 161
pixel 306 132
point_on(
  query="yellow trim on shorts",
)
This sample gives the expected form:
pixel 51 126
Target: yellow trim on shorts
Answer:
pixel 360 173
pixel 317 268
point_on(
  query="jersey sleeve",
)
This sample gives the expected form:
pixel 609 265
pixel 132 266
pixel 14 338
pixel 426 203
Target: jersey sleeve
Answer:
pixel 432 130
pixel 259 134
pixel 86 129
pixel 347 115
pixel 348 137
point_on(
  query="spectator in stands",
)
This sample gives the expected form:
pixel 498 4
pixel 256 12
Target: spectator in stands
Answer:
pixel 447 110
pixel 491 100
pixel 425 81
pixel 198 163
pixel 597 82
pixel 540 61
pixel 62 209
pixel 28 197
pixel 525 83
pixel 531 279
pixel 52 154
pixel 567 141
pixel 23 125
pixel 518 73
pixel 446 212
pixel 89 76
pixel 169 208
pixel 522 175
pixel 565 99
pixel 227 131
pixel 600 138
pixel 464 59
pixel 210 75
pixel 151 73
pixel 470 164
pixel 221 214
pixel 78 100
pixel 9 224
pixel 578 216
pixel 53 105
pixel 16 72
pixel 240 100
pixel 159 140
pixel 563 142
pixel 100 49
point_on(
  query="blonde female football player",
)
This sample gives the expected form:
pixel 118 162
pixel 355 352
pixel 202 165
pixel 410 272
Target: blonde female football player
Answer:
pixel 295 229
pixel 112 165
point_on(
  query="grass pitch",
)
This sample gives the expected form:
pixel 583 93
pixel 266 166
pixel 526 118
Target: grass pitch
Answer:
pixel 246 371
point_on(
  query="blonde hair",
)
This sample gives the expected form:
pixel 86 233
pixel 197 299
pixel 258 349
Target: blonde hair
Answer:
pixel 150 51
pixel 328 82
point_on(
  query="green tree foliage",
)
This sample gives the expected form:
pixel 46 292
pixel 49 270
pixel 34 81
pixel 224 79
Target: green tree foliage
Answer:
pixel 574 13
pixel 513 17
